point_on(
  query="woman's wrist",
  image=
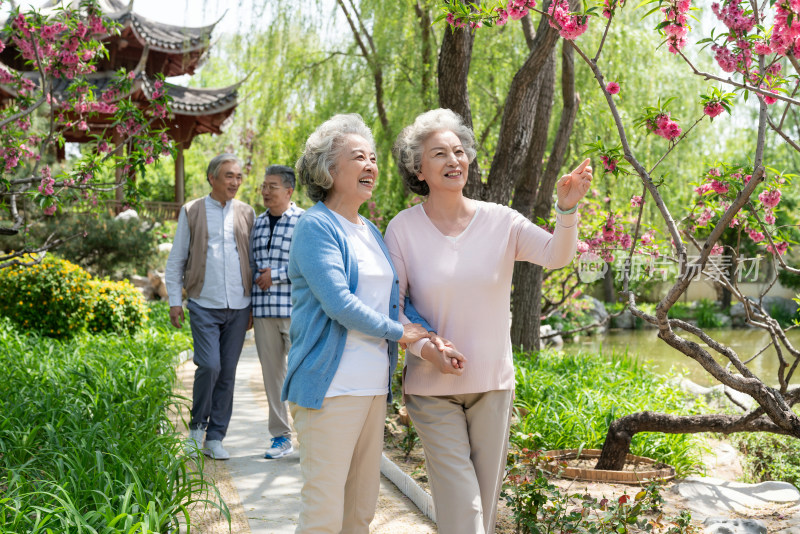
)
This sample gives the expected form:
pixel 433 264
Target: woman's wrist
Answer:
pixel 568 211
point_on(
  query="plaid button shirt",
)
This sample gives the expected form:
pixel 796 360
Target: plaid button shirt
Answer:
pixel 277 300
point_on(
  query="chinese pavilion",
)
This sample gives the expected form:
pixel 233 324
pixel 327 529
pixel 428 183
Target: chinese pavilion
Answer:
pixel 152 48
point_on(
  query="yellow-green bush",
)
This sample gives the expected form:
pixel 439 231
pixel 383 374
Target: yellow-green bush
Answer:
pixel 51 297
pixel 116 307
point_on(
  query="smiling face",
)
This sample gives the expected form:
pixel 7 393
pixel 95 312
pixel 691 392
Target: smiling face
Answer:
pixel 354 172
pixel 444 163
pixel 275 195
pixel 225 184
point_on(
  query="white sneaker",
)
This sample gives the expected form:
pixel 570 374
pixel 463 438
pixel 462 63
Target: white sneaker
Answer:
pixel 281 446
pixel 194 442
pixel 214 450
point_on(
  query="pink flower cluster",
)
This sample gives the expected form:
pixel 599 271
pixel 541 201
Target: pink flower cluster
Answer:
pixel 786 31
pixel 663 126
pixel 612 88
pixel 569 26
pixel 609 163
pixel 46 185
pixel 636 201
pixel 712 109
pixel 779 249
pixel 734 17
pixel 770 198
pixel 755 235
pixel 675 14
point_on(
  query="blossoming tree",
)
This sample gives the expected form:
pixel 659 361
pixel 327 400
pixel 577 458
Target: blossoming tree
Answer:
pixel 758 42
pixel 57 95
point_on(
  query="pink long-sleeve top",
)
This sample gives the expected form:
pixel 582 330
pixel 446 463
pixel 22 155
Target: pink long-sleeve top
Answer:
pixel 462 287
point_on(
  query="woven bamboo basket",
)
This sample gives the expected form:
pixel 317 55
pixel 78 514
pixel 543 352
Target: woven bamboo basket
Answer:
pixel 644 471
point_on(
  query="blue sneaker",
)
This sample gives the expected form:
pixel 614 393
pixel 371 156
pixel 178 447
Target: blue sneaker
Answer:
pixel 281 447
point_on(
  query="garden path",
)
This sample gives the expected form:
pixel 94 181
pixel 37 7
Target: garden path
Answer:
pixel 264 495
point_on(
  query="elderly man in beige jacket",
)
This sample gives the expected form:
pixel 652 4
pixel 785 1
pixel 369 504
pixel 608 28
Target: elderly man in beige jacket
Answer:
pixel 210 258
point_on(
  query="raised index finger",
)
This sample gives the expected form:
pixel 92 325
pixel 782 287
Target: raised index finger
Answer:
pixel 582 166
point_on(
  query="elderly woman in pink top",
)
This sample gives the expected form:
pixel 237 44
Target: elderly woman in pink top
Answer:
pixel 455 257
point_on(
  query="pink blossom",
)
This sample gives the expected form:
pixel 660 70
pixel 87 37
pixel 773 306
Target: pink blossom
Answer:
pixel 625 241
pixel 769 217
pixel 712 109
pixel 49 210
pixel 714 172
pixel 780 248
pixel 582 247
pixel 647 239
pixel 756 236
pixel 717 249
pixel 636 201
pixel 569 26
pixel 719 187
pixel 610 164
pixel 702 189
pixel 705 217
pixel 612 88
pixel 770 198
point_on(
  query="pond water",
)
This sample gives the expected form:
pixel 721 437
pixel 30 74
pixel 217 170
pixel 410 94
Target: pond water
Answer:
pixel 646 345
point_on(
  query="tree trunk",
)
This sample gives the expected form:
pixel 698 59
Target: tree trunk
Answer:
pixel 526 303
pixel 455 56
pixel 609 295
pixel 621 431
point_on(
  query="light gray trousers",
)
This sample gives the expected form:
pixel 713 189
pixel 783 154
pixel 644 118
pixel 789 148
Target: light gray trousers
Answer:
pixel 218 336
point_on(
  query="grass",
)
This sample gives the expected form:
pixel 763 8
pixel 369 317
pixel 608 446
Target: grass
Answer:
pixel 572 399
pixel 86 444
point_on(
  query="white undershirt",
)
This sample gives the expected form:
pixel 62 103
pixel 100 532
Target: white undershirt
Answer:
pixel 364 367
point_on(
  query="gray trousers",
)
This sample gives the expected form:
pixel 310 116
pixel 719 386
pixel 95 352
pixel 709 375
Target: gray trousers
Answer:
pixel 218 336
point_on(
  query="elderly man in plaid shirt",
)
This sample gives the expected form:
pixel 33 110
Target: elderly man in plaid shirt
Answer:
pixel 271 297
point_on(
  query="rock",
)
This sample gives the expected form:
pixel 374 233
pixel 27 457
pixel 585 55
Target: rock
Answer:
pixel 790 530
pixel 719 525
pixel 553 341
pixel 127 215
pixel 775 306
pixel 139 281
pixel 595 309
pixel 713 497
pixel 723 320
pixel 625 320
pixel 165 247
pixel 158 288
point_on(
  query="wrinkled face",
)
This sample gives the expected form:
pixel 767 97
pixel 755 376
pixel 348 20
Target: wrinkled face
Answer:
pixel 226 184
pixel 276 196
pixel 444 162
pixel 355 170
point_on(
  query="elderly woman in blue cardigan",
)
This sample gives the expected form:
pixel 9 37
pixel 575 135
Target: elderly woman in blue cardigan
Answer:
pixel 344 331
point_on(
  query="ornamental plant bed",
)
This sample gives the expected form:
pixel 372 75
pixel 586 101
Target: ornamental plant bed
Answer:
pixel 579 464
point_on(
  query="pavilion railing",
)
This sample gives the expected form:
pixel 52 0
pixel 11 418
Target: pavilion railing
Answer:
pixel 157 210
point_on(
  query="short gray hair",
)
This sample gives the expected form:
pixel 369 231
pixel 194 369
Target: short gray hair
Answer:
pixel 217 161
pixel 321 150
pixel 286 174
pixel 407 148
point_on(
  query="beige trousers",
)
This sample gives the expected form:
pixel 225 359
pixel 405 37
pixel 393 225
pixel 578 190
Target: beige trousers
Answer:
pixel 273 344
pixel 340 458
pixel 465 438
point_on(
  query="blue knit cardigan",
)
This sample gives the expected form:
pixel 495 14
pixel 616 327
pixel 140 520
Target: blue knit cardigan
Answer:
pixel 323 270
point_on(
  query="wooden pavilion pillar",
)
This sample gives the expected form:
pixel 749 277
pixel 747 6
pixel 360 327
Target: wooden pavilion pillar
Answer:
pixel 180 176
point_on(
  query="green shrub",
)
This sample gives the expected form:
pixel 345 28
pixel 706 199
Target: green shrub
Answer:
pixel 769 457
pixel 571 400
pixel 116 307
pixel 706 313
pixel 102 244
pixel 51 297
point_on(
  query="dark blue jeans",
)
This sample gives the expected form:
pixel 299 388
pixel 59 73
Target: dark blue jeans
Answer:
pixel 218 338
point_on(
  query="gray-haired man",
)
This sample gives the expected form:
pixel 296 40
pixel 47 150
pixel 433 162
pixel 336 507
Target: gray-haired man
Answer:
pixel 272 297
pixel 210 257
